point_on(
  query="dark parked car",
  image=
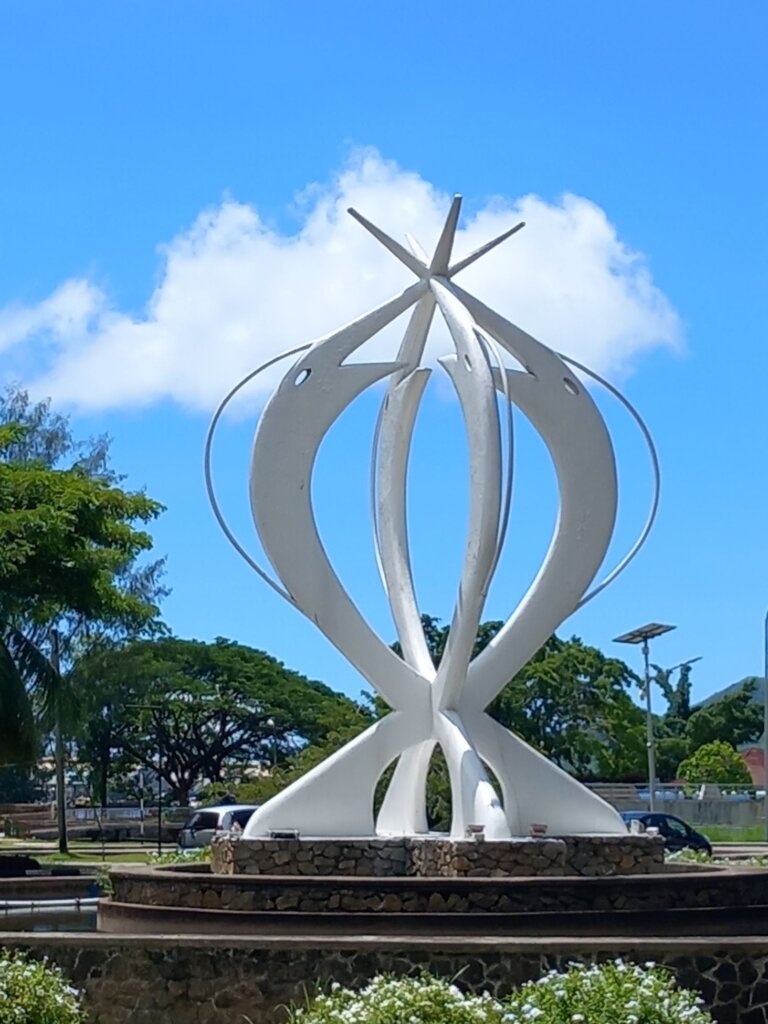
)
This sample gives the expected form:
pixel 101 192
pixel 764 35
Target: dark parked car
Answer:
pixel 676 833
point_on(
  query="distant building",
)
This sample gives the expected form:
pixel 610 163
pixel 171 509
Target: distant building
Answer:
pixel 754 758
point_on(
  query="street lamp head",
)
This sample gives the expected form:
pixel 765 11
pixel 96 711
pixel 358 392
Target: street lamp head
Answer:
pixel 643 633
pixel 686 664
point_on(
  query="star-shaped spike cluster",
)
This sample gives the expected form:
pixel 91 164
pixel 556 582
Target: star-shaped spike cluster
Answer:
pixel 440 266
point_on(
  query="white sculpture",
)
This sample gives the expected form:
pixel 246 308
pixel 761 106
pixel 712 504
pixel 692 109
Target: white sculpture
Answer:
pixel 443 705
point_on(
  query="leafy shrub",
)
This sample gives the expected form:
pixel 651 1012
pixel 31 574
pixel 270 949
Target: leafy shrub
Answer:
pixel 717 762
pixel 390 1000
pixel 610 993
pixel 36 992
pixel 104 880
pixel 195 855
pixel 687 856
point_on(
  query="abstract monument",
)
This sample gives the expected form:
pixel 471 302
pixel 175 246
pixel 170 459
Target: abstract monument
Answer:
pixel 443 705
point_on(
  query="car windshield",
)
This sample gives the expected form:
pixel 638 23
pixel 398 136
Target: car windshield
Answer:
pixel 203 819
pixel 672 827
pixel 242 818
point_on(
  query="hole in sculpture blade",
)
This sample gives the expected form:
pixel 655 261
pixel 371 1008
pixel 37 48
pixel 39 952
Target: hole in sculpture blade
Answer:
pixel 468 363
pixel 570 386
pixel 302 376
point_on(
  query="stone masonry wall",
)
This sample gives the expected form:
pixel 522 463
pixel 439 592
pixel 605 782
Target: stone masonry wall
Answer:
pixel 447 858
pixel 226 981
pixel 667 890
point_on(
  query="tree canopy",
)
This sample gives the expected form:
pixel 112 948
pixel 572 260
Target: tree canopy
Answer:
pixel 573 704
pixel 66 539
pixel 733 717
pixel 715 762
pixel 71 541
pixel 217 711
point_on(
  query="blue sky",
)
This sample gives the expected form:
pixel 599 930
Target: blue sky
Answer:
pixel 172 186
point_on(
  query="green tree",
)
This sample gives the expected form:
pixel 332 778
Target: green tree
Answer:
pixel 572 703
pixel 20 784
pixel 216 711
pixel 715 762
pixel 670 751
pixel 672 743
pixel 436 637
pixel 735 718
pixel 68 542
pixel 678 698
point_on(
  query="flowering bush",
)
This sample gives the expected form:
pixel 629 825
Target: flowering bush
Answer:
pixel 36 992
pixel 194 855
pixel 388 1000
pixel 686 856
pixel 611 993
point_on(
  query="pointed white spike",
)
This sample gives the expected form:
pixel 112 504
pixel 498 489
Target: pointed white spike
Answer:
pixel 439 264
pixel 417 249
pixel 418 268
pixel 463 264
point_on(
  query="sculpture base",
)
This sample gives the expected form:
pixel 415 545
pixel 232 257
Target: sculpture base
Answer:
pixel 440 857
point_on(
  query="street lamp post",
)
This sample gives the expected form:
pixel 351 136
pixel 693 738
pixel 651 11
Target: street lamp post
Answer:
pixel 156 708
pixel 642 636
pixel 59 759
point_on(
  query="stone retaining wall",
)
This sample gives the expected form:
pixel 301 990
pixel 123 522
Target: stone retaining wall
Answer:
pixel 441 858
pixel 223 981
pixel 664 891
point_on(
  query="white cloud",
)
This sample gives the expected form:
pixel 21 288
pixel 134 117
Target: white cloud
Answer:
pixel 234 291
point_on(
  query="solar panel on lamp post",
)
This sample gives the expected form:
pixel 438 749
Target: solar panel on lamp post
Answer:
pixel 641 636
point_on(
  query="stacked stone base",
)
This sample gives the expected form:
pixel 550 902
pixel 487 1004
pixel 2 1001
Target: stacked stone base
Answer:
pixel 145 980
pixel 430 857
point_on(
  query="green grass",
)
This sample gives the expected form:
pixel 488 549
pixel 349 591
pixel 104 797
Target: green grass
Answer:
pixel 82 851
pixel 731 834
pixel 92 857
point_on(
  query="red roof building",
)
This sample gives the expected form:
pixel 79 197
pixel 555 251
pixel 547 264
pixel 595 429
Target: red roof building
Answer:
pixel 755 761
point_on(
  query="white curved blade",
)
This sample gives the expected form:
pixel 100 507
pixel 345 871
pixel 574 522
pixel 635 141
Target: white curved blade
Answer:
pixel 290 432
pixel 394 434
pixel 535 790
pixel 576 436
pixel 336 797
pixel 474 800
pixel 404 810
pixel 474 384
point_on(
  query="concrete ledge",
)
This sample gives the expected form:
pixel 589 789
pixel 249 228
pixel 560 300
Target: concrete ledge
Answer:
pixel 719 921
pixel 47 887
